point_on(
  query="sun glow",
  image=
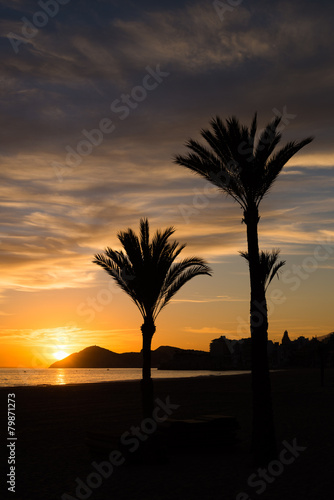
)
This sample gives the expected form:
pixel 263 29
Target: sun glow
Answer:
pixel 60 355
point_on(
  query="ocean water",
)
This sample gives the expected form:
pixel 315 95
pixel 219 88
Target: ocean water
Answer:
pixel 14 377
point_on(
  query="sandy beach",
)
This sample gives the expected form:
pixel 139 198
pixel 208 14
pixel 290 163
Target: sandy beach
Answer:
pixel 53 424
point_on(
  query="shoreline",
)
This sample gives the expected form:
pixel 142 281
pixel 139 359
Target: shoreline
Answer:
pixel 107 382
pixel 227 373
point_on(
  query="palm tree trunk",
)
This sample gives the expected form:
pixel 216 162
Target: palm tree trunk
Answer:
pixel 263 431
pixel 148 329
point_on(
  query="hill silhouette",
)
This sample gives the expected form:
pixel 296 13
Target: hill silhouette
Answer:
pixel 225 354
pixel 98 357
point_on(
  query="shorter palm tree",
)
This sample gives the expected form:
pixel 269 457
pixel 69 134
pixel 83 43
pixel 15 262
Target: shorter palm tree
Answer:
pixel 269 265
pixel 148 273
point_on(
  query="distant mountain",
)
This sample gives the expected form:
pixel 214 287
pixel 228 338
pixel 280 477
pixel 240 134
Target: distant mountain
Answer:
pixel 98 357
pixel 224 355
pixel 91 357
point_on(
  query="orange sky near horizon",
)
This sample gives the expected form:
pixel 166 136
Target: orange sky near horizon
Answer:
pixel 71 319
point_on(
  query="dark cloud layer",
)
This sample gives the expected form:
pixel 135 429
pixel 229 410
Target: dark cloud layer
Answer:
pixel 68 74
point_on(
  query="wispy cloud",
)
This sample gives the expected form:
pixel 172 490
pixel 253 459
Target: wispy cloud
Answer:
pixel 214 331
pixel 222 298
pixel 65 337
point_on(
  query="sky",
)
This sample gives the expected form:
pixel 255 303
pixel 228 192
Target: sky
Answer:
pixel 96 100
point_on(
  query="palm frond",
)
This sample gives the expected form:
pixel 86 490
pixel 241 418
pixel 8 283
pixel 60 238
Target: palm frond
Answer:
pixel 131 245
pixel 180 280
pixel 220 147
pixel 274 272
pixel 277 162
pixel 144 238
pixel 180 267
pixel 122 274
pixel 267 142
pixel 252 133
pixel 200 166
pixel 269 265
pixel 232 161
pixel 147 270
pixel 205 153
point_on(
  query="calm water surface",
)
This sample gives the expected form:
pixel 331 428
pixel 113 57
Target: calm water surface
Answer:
pixel 11 377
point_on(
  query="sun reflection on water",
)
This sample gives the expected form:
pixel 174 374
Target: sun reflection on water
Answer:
pixel 61 377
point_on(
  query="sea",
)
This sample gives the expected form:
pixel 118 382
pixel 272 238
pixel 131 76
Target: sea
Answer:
pixel 15 377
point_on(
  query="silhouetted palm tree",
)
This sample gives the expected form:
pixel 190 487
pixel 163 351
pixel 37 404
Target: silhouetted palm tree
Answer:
pixel 148 274
pixel 245 168
pixel 269 265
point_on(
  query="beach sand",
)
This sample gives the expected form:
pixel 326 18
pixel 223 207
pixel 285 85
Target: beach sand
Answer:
pixel 53 422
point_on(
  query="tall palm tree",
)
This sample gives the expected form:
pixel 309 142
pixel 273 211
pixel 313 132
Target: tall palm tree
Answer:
pixel 148 273
pixel 269 265
pixel 245 167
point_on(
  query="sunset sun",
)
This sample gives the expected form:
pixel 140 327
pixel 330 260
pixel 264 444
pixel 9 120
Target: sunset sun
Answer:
pixel 60 355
